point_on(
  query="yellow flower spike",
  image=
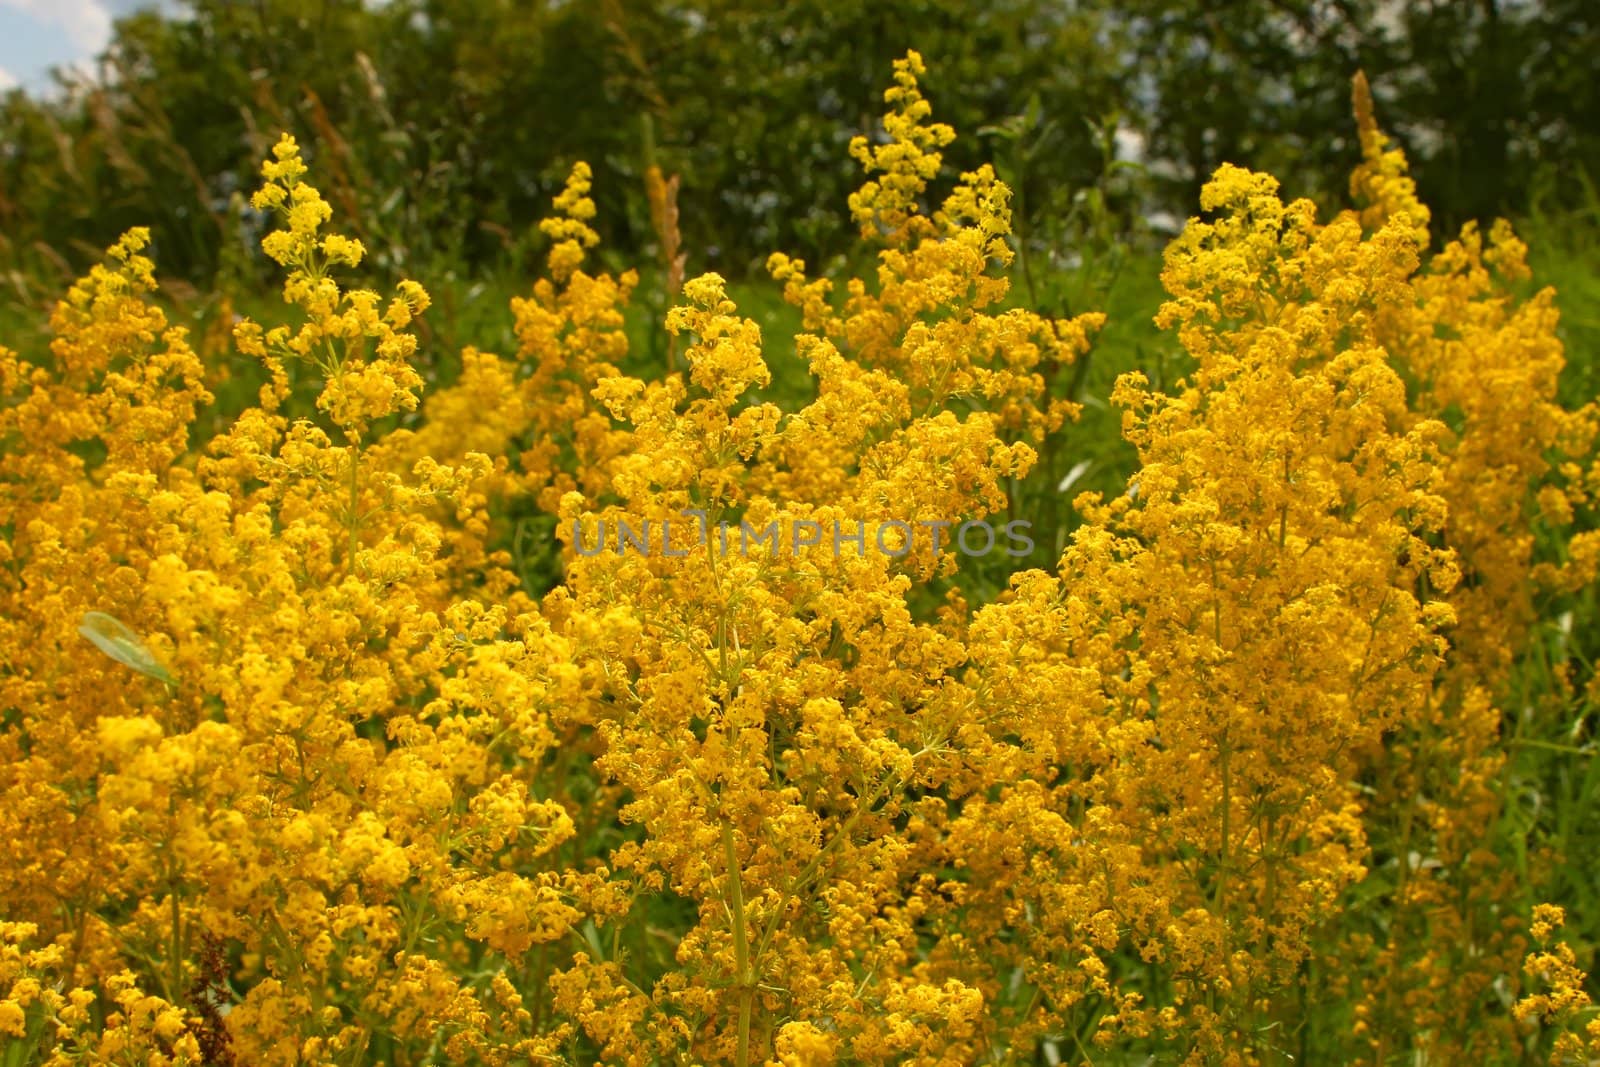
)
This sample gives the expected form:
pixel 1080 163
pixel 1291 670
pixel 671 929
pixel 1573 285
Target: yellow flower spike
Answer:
pixel 887 207
pixel 1381 184
pixel 570 230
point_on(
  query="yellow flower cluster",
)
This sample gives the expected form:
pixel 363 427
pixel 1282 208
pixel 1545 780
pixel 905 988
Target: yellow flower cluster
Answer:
pixel 1553 966
pixel 283 691
pixel 130 1027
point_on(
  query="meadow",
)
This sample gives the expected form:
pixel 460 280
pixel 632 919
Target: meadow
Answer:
pixel 322 742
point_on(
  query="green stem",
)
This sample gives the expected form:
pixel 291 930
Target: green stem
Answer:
pixel 176 997
pixel 352 520
pixel 741 945
pixel 177 947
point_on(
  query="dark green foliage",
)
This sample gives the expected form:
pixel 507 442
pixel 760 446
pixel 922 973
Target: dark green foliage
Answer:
pixel 444 126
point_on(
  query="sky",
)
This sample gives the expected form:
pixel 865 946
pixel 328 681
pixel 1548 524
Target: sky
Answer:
pixel 36 35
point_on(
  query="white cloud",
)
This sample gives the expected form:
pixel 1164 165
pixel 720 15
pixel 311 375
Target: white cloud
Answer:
pixel 7 80
pixel 86 23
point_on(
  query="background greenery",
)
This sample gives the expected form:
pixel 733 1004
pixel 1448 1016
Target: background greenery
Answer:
pixel 446 125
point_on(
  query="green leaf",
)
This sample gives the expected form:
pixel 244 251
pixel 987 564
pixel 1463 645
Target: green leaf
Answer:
pixel 113 637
